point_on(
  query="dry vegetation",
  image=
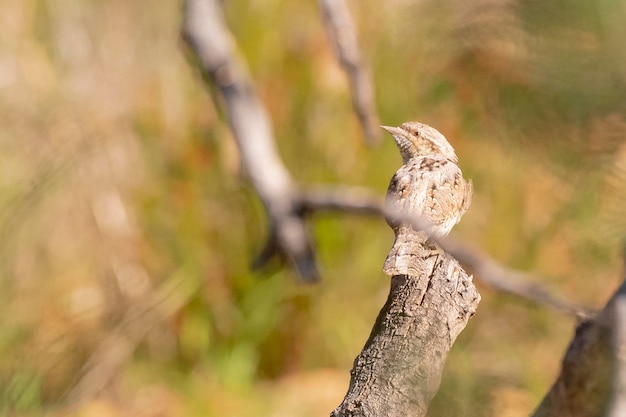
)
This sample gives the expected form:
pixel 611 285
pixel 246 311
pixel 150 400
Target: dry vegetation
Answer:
pixel 126 228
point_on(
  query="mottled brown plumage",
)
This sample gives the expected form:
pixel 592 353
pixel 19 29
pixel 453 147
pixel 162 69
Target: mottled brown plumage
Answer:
pixel 428 185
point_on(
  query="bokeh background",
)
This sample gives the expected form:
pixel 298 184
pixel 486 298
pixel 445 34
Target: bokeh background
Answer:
pixel 127 227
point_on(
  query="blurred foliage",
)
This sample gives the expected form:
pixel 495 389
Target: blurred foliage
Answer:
pixel 127 228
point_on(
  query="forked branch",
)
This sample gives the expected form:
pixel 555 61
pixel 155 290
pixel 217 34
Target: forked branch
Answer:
pixel 208 37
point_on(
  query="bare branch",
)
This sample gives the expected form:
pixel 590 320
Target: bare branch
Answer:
pixel 399 370
pixel 341 33
pixel 617 403
pixel 341 198
pixel 591 382
pixel 508 280
pixel 205 32
pixel 400 366
pixel 359 200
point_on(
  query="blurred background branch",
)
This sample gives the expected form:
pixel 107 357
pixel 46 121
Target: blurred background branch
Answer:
pixel 208 37
pixel 487 270
pixel 591 380
pixel 342 34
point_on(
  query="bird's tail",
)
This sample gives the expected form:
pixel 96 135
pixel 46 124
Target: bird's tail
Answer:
pixel 408 252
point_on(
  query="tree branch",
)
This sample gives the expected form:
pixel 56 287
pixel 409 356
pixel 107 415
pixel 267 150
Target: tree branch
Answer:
pixel 592 381
pixel 591 378
pixel 206 34
pixel 341 33
pixel 617 403
pixel 399 370
pixel 490 272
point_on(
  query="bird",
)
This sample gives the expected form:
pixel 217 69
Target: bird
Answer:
pixel 429 186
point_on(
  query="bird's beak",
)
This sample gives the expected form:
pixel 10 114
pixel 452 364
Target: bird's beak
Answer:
pixel 394 130
pixel 402 141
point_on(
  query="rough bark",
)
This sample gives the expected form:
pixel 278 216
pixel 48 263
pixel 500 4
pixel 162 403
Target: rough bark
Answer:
pixel 591 381
pixel 399 370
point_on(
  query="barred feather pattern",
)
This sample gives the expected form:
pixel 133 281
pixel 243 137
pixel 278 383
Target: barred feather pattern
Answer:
pixel 430 187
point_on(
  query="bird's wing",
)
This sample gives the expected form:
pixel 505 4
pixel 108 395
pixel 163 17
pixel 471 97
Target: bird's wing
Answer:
pixel 431 188
pixel 448 196
pixel 406 193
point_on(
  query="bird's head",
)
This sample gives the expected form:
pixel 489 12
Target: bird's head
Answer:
pixel 416 139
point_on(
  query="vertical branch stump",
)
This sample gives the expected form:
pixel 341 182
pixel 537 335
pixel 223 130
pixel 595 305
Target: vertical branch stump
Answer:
pixel 399 370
